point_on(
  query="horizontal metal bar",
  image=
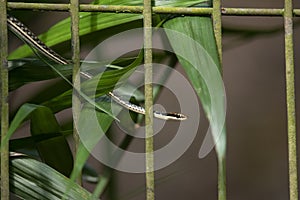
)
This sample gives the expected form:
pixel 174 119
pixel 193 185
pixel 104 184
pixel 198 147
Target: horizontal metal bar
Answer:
pixel 158 10
pixel 108 8
pixel 139 9
pixel 297 12
pixel 111 8
pixel 252 11
pixel 38 6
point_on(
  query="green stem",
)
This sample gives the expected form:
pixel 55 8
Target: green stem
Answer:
pixel 4 103
pixel 290 99
pixel 74 11
pixel 222 179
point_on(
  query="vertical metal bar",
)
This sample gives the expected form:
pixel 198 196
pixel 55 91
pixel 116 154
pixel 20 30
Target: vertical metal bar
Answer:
pixel 4 102
pixel 290 99
pixel 74 11
pixel 148 100
pixel 217 21
pixel 217 24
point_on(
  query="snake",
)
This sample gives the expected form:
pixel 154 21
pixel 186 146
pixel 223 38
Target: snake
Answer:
pixel 24 33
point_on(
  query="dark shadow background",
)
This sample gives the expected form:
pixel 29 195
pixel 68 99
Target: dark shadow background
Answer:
pixel 254 79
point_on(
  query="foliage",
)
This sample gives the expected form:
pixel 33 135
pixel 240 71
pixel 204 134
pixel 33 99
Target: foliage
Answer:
pixel 48 137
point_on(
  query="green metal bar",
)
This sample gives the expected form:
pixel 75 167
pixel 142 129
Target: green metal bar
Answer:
pixel 158 10
pixel 288 13
pixel 139 9
pixel 149 147
pixel 290 99
pixel 4 102
pixel 38 6
pixel 112 8
pixel 252 12
pixel 217 23
pixel 109 8
pixel 74 11
pixel 182 10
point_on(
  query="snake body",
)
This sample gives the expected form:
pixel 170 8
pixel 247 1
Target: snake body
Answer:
pixel 24 33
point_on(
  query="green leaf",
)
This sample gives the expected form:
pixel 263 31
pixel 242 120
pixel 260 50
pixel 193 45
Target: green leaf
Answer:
pixel 23 71
pixel 195 45
pixel 192 39
pixel 90 131
pixel 28 70
pixel 54 151
pixel 97 86
pixel 23 113
pixel 18 145
pixel 30 179
pixel 91 22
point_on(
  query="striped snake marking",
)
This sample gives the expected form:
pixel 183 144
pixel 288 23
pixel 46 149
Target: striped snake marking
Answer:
pixel 24 33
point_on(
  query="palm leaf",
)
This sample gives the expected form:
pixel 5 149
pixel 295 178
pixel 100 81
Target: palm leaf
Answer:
pixel 91 22
pixel 30 179
pixel 54 151
pixel 195 45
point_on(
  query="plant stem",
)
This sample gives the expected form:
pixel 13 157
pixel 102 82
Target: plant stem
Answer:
pixel 290 99
pixel 4 102
pixel 148 100
pixel 222 179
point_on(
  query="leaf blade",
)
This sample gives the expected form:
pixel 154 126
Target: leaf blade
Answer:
pixel 30 182
pixel 203 69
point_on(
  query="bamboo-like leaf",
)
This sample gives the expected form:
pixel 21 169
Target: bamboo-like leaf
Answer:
pixel 23 71
pixel 18 145
pixel 23 113
pixel 103 83
pixel 91 22
pixel 54 151
pixel 91 131
pixel 28 70
pixel 199 29
pixel 30 179
pixel 195 45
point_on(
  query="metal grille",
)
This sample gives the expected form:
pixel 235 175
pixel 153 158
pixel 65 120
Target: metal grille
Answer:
pixel 288 13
